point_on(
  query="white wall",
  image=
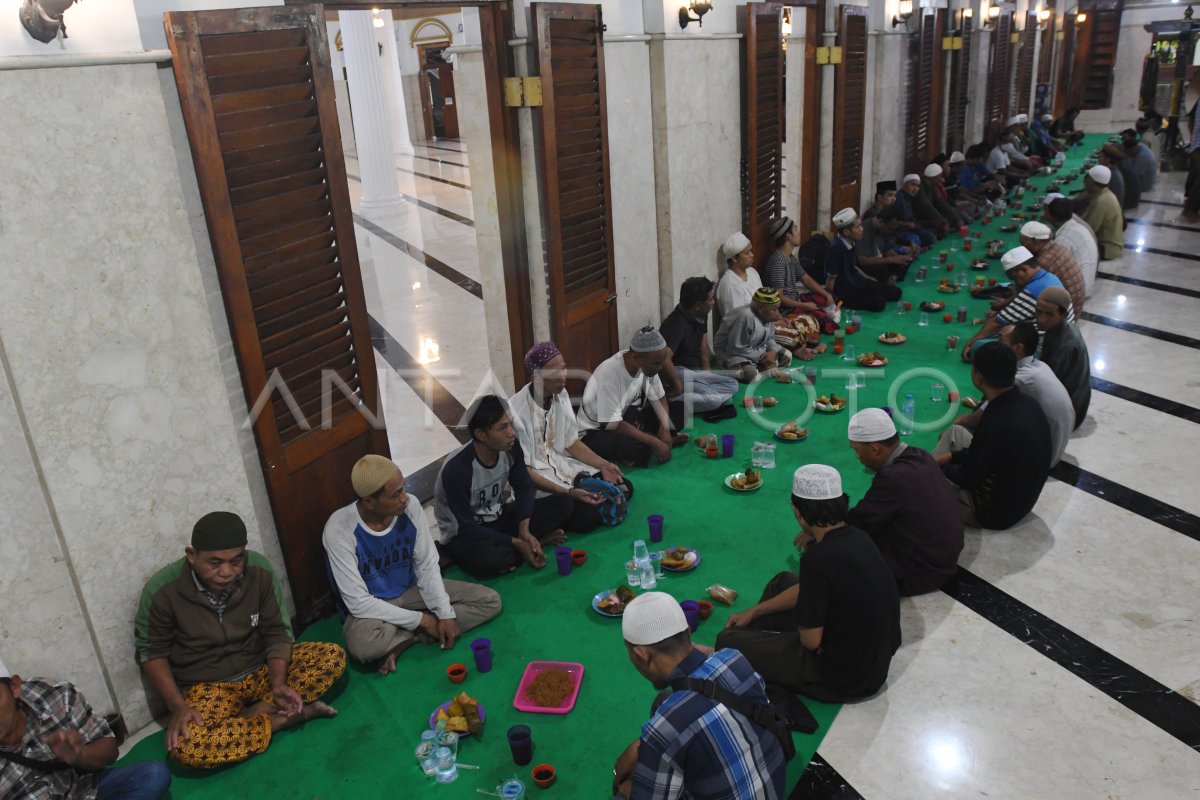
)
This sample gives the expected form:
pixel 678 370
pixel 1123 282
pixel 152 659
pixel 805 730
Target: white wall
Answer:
pixel 150 14
pixel 409 63
pixel 93 26
pixel 119 368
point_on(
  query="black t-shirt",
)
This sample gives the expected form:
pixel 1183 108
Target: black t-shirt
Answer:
pixel 847 589
pixel 684 334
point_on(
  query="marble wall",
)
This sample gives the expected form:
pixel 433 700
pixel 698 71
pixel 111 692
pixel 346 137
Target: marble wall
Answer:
pixel 119 363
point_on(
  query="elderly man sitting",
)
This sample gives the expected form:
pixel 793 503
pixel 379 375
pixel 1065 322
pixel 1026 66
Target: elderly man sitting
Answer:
pixel 1072 232
pixel 548 434
pixel 1064 350
pixel 1020 266
pixel 624 415
pixel 931 209
pixel 910 511
pixel 1104 215
pixel 1001 466
pixel 214 641
pixel 745 342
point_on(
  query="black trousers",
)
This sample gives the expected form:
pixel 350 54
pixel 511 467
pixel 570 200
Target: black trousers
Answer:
pixel 485 549
pixel 612 445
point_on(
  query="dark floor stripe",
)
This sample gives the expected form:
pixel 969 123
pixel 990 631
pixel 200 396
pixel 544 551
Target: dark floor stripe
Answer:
pixel 1185 412
pixel 1132 688
pixel 1121 496
pixel 440 161
pixel 819 781
pixel 1162 203
pixel 434 178
pixel 1137 248
pixel 447 149
pixel 440 267
pixel 1161 287
pixel 1188 228
pixel 445 212
pixel 1133 327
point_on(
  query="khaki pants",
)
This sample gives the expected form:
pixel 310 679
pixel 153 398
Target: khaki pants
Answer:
pixel 372 639
pixel 228 738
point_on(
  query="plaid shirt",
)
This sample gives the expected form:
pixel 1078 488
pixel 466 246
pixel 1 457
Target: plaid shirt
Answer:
pixel 696 748
pixel 1058 261
pixel 50 707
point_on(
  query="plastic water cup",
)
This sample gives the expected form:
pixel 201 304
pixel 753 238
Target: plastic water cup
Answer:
pixel 937 393
pixel 520 741
pixel 727 441
pixel 691 612
pixel 633 574
pixel 656 560
pixel 655 523
pixel 563 556
pixel 924 320
pixel 482 648
pixel 849 353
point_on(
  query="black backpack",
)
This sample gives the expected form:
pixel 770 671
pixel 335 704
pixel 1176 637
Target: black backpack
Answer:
pixel 812 256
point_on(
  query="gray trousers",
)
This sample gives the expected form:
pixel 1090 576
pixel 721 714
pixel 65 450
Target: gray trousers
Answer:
pixel 704 391
pixel 372 639
pixel 955 438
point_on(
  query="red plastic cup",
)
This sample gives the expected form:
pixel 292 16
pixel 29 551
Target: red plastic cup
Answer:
pixel 747 402
pixel 907 305
pixel 991 281
pixel 947 317
pixel 457 673
pixel 950 267
pixel 543 775
pixel 578 557
pixel 712 451
pixel 705 609
pixel 962 229
pixel 942 256
pixel 838 348
pixel 967 245
pixel 952 397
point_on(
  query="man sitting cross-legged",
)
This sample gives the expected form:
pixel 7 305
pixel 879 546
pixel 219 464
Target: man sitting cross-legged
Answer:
pixel 831 632
pixel 548 434
pixel 385 569
pixel 488 519
pixel 213 641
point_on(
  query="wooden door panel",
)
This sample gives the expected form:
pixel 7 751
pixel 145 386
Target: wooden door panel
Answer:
pixel 762 121
pixel 999 81
pixel 849 118
pixel 572 146
pixel 257 100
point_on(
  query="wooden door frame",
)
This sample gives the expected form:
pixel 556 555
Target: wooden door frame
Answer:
pixel 496 28
pixel 426 108
pixel 810 146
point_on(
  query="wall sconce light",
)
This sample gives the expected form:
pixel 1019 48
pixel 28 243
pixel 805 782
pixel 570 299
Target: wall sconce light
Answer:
pixel 967 13
pixel 906 10
pixel 376 20
pixel 1043 17
pixel 992 14
pixel 1080 18
pixel 699 8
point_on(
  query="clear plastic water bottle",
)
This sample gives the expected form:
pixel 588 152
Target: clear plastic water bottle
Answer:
pixel 908 412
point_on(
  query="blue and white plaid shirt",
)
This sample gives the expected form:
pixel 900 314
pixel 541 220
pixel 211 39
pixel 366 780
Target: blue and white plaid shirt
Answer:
pixel 694 747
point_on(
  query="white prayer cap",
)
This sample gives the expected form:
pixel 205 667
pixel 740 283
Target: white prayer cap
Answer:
pixel 1015 258
pixel 1014 120
pixel 4 673
pixel 1022 119
pixel 652 617
pixel 1047 118
pixel 815 482
pixel 1100 174
pixel 1050 198
pixel 844 218
pixel 910 177
pixel 736 243
pixel 871 425
pixel 956 157
pixel 1036 230
pixel 933 171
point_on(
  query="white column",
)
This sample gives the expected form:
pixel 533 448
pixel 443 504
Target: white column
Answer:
pixel 368 100
pixel 394 85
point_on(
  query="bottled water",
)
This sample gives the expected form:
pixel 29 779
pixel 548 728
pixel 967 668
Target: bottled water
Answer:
pixel 908 412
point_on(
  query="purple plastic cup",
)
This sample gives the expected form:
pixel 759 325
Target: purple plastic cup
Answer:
pixel 655 521
pixel 727 445
pixel 520 741
pixel 563 555
pixel 482 650
pixel 691 612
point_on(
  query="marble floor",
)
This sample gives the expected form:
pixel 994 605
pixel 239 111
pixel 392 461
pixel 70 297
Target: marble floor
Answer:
pixel 1065 663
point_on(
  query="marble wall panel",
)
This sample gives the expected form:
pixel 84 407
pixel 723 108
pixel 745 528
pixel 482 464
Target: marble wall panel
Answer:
pixel 43 629
pixel 696 104
pixel 631 171
pixel 888 112
pixel 112 341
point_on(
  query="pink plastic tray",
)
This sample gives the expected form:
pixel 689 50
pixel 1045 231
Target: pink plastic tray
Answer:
pixel 532 669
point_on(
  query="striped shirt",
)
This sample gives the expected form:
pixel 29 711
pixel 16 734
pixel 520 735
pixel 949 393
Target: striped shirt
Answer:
pixel 51 707
pixel 1024 304
pixel 783 273
pixel 697 748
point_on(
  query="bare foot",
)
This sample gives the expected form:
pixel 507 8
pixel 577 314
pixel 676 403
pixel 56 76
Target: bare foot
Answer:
pixel 526 551
pixel 804 354
pixel 680 439
pixel 387 664
pixel 820 347
pixel 557 536
pixel 317 709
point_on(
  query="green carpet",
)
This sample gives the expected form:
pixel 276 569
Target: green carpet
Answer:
pixel 743 538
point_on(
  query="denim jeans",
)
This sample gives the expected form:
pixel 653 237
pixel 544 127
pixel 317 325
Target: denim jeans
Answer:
pixel 147 780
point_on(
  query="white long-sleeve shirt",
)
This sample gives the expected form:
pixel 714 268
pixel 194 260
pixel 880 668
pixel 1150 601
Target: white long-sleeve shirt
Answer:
pixel 393 561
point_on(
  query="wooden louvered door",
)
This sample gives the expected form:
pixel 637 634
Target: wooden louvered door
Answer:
pixel 762 121
pixel 257 98
pixel 808 171
pixel 999 80
pixel 576 199
pixel 1028 41
pixel 925 91
pixel 960 80
pixel 850 106
pixel 1095 55
pixel 1063 97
